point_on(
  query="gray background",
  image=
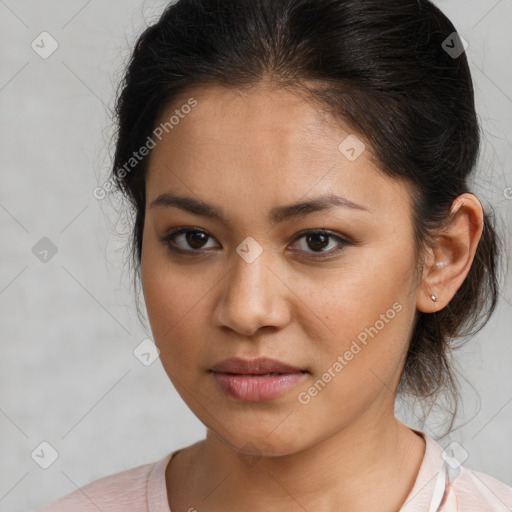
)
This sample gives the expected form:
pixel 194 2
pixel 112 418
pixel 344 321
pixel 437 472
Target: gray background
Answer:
pixel 68 374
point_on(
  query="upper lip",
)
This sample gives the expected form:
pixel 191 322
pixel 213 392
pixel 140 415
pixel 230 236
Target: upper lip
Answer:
pixel 260 366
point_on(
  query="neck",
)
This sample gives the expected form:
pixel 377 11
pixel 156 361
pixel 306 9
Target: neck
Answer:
pixel 372 464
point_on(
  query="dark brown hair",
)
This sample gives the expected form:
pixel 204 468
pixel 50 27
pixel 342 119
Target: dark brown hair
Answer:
pixel 385 68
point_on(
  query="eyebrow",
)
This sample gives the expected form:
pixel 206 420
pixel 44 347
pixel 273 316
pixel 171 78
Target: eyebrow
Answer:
pixel 277 214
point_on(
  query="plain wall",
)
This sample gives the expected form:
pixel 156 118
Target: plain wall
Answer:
pixel 68 375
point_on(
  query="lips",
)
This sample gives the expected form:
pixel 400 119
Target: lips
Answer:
pixel 256 380
pixel 260 366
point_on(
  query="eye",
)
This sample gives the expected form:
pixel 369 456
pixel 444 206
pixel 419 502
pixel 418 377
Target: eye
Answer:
pixel 321 242
pixel 186 239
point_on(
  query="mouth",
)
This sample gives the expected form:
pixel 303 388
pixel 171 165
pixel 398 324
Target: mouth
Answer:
pixel 260 366
pixel 256 380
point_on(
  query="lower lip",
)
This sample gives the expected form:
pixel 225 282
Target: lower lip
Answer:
pixel 257 388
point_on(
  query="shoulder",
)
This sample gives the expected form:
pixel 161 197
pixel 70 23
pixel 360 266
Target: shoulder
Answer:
pixel 119 492
pixel 475 491
pixel 445 485
pixel 464 489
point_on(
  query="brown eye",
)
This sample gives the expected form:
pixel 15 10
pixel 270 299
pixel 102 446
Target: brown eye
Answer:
pixel 187 240
pixel 196 239
pixel 316 242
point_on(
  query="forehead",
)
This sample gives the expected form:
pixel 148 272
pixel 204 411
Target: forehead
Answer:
pixel 252 116
pixel 267 143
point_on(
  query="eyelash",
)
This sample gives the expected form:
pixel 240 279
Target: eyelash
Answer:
pixel 168 240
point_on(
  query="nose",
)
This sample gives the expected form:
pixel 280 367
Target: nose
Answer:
pixel 252 296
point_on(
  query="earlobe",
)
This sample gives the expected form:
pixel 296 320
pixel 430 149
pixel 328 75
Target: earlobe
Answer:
pixel 452 254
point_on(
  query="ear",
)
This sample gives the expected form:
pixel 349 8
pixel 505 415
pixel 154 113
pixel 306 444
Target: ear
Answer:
pixel 448 262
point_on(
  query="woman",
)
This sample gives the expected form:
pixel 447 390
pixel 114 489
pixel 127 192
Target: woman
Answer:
pixel 308 247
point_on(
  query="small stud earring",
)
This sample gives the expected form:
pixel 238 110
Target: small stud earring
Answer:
pixel 434 298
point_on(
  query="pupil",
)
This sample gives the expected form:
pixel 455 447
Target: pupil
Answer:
pixel 318 241
pixel 196 239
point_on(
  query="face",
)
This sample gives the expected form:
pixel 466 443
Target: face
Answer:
pixel 326 291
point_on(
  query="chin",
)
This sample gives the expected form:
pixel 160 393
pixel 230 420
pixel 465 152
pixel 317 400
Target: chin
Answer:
pixel 263 447
pixel 262 439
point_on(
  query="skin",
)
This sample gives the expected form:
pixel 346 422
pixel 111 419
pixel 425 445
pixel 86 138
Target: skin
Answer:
pixel 248 152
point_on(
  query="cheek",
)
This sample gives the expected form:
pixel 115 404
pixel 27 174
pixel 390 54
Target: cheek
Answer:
pixel 175 302
pixel 366 314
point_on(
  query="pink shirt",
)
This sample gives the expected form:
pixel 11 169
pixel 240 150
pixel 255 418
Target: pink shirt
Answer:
pixel 442 485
